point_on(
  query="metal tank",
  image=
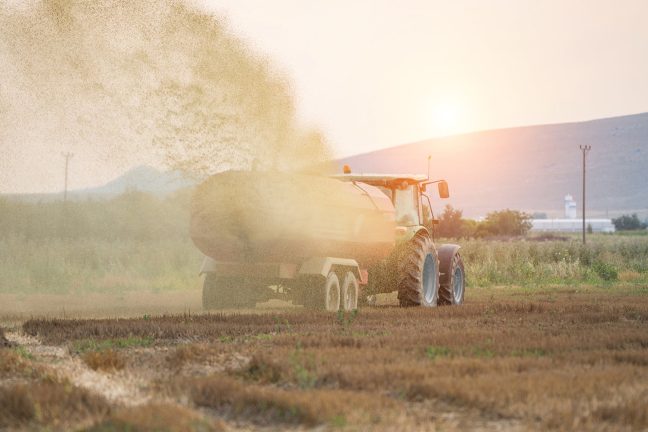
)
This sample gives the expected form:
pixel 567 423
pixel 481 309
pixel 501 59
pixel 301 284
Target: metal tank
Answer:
pixel 273 217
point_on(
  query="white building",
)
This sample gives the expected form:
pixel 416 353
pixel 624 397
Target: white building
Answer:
pixel 570 207
pixel 572 225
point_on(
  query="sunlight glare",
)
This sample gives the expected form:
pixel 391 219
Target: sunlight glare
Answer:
pixel 446 119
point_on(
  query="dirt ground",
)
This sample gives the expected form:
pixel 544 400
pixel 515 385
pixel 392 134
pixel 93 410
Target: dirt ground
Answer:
pixel 509 359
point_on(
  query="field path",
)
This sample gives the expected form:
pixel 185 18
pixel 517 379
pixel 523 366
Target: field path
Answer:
pixel 121 387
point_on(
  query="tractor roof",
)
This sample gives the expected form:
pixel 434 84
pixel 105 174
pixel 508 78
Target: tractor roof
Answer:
pixel 381 179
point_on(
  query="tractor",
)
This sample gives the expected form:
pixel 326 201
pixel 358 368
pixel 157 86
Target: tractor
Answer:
pixel 328 243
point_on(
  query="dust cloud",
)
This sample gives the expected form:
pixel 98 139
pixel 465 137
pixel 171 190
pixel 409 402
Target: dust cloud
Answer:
pixel 159 78
pixel 289 217
pixel 162 78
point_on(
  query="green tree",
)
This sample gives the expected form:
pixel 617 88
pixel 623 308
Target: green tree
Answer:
pixel 628 223
pixel 451 223
pixel 506 223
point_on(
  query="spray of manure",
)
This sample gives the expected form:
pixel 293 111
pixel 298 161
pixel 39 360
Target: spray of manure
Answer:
pixel 161 77
pixel 144 77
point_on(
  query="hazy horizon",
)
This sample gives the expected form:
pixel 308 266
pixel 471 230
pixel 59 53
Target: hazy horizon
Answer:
pixel 372 74
pixel 162 168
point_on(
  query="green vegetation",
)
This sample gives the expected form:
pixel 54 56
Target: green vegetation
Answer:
pixel 503 223
pixel 137 242
pixel 85 345
pixel 133 242
pixel 604 259
pixel 433 352
pixel 629 223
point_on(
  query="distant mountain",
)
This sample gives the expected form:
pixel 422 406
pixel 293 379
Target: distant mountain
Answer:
pixel 531 168
pixel 142 178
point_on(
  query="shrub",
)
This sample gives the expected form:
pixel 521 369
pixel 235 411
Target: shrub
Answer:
pixel 628 223
pixel 506 223
pixel 605 270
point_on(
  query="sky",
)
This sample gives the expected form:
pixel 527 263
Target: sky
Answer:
pixel 375 73
pixel 378 73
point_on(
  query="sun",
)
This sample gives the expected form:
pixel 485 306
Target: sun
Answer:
pixel 446 118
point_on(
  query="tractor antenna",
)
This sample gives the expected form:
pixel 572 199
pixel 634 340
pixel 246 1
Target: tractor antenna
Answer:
pixel 429 158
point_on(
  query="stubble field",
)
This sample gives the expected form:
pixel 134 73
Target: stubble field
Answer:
pixel 103 330
pixel 509 359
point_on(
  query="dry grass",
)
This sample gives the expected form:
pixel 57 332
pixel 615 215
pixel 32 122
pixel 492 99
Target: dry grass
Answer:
pixel 15 366
pixel 108 360
pixel 32 396
pixel 561 359
pixel 4 343
pixel 53 403
pixel 629 276
pixel 172 327
pixel 269 404
pixel 157 418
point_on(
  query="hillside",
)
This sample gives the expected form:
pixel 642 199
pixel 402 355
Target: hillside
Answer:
pixel 142 178
pixel 532 168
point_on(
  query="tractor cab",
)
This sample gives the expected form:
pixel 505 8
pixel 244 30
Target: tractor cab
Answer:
pixel 407 193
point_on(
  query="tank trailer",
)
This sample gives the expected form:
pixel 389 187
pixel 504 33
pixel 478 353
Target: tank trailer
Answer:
pixel 327 243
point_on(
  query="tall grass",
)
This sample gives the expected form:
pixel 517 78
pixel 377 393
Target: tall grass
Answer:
pixel 65 266
pixel 604 259
pixel 133 242
pixel 139 242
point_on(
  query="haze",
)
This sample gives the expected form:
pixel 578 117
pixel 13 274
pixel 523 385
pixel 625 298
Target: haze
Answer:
pixel 380 73
pixel 373 74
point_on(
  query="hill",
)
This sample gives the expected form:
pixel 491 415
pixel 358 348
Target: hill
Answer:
pixel 142 178
pixel 532 168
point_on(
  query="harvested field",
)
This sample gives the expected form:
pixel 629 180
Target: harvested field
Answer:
pixel 509 359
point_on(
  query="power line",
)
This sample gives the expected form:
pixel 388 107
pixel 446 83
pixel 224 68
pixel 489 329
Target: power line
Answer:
pixel 584 149
pixel 67 156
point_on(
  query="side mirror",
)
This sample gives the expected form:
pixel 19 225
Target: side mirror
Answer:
pixel 444 192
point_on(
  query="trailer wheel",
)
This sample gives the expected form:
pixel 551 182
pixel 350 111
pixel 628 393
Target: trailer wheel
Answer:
pixel 227 293
pixel 418 281
pixel 452 291
pixel 323 296
pixel 350 292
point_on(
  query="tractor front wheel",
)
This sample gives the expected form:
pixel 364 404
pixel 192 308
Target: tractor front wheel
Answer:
pixel 418 281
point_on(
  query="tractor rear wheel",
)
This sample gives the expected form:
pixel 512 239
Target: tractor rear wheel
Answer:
pixel 227 293
pixel 451 292
pixel 418 281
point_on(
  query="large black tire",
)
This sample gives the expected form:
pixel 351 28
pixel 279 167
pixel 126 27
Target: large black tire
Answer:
pixel 227 293
pixel 418 281
pixel 453 288
pixel 323 294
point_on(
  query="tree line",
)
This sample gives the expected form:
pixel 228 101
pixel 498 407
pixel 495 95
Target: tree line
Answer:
pixel 502 223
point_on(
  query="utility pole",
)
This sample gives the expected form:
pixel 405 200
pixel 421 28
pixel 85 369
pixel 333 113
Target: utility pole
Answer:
pixel 584 149
pixel 67 156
